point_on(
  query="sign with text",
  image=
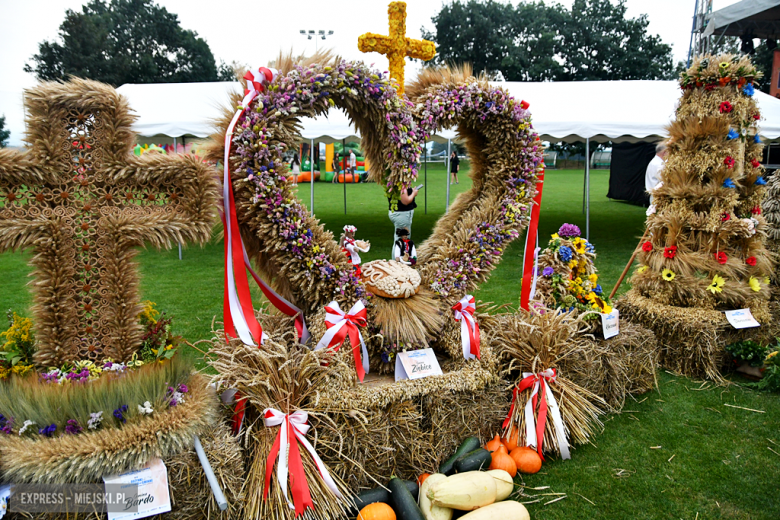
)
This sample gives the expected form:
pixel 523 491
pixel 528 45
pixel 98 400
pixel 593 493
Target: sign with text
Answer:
pixel 151 495
pixel 742 319
pixel 610 323
pixel 416 364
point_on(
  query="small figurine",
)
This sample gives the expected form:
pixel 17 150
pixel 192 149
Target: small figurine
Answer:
pixel 403 249
pixel 350 246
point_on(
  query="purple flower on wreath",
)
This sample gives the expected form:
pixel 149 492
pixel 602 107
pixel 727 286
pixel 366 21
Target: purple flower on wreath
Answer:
pixel 119 413
pixel 565 253
pixel 73 427
pixel 568 231
pixel 8 426
pixel 548 271
pixel 48 431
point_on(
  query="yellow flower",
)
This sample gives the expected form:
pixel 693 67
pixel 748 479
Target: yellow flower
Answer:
pixel 754 284
pixel 641 269
pixel 594 278
pixel 590 296
pixel 607 308
pixel 772 354
pixel 766 280
pixel 554 236
pixel 668 275
pixel 573 263
pixel 578 280
pixel 717 284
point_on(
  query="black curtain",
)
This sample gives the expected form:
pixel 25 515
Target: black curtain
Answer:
pixel 627 172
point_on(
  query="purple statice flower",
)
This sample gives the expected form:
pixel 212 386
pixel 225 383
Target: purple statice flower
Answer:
pixel 569 231
pixel 48 431
pixel 548 271
pixel 8 426
pixel 73 427
pixel 183 388
pixel 119 413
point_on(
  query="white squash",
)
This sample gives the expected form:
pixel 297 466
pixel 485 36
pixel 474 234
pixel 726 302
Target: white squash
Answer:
pixel 509 510
pixel 504 483
pixel 464 491
pixel 430 511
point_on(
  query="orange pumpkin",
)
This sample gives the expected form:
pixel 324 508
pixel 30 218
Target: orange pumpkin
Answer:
pixel 422 478
pixel 502 460
pixel 511 441
pixel 376 511
pixel 492 445
pixel 526 459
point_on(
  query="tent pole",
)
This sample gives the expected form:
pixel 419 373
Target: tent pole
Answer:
pixel 311 154
pixel 425 151
pixel 587 189
pixel 447 173
pixel 344 149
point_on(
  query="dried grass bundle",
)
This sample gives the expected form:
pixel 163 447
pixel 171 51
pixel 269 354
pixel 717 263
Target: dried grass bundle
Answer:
pixel 533 342
pixel 288 377
pixel 88 456
pixel 416 320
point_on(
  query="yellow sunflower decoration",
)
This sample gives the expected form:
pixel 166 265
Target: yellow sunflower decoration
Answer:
pixel 717 284
pixel 668 275
pixel 754 284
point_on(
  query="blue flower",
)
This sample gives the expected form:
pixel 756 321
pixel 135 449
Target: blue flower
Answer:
pixel 748 89
pixel 48 431
pixel 757 139
pixel 728 183
pixel 590 248
pixel 732 134
pixel 598 290
pixel 760 181
pixel 565 253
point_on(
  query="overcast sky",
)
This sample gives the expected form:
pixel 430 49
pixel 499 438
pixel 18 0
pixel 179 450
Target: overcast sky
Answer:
pixel 253 32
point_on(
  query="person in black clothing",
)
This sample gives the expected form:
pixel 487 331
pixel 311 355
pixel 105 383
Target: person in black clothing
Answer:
pixel 454 167
pixel 403 215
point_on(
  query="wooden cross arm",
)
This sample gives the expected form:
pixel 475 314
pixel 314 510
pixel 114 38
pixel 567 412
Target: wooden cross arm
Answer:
pixel 194 182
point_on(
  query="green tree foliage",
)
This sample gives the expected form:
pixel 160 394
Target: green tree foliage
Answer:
pixel 534 41
pixel 4 134
pixel 126 41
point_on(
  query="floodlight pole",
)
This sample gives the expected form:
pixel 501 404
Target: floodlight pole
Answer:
pixel 312 34
pixel 447 172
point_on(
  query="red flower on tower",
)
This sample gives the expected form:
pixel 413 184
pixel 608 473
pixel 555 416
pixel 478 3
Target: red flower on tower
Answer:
pixel 729 161
pixel 670 252
pixel 725 107
pixel 647 247
pixel 721 257
pixel 755 162
pixel 751 261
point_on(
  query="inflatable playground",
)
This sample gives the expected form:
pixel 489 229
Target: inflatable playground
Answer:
pixel 334 163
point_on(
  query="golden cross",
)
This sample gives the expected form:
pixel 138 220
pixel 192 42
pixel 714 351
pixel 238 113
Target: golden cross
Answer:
pixel 397 46
pixel 84 203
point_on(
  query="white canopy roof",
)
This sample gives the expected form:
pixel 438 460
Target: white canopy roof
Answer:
pixel 756 18
pixel 562 111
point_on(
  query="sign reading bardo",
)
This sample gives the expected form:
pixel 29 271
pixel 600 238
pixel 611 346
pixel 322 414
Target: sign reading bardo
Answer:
pixel 151 496
pixel 742 319
pixel 416 364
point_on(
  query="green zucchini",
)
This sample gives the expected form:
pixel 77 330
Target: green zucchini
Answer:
pixel 380 494
pixel 468 445
pixel 477 460
pixel 404 504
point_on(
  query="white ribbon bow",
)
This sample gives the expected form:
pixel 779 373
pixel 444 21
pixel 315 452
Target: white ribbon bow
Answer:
pixel 554 410
pixel 464 313
pixel 338 319
pixel 299 422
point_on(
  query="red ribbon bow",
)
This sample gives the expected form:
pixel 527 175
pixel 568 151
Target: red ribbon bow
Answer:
pixel 258 79
pixel 469 328
pixel 340 325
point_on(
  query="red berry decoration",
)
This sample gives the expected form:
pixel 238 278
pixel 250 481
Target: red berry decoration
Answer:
pixel 670 252
pixel 729 161
pixel 751 261
pixel 647 247
pixel 721 257
pixel 726 107
pixel 725 217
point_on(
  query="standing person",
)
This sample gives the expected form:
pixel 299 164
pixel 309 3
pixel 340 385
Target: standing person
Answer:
pixel 403 215
pixel 352 163
pixel 295 166
pixel 653 172
pixel 454 167
pixel 336 167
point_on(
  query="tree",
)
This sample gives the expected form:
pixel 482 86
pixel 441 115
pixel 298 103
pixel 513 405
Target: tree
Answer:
pixel 4 134
pixel 536 41
pixel 125 41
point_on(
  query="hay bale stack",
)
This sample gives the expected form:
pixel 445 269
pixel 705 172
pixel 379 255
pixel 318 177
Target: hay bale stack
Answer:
pixel 706 252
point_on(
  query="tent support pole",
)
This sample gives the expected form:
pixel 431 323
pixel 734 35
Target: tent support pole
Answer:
pixel 587 189
pixel 425 151
pixel 344 149
pixel 447 173
pixel 311 154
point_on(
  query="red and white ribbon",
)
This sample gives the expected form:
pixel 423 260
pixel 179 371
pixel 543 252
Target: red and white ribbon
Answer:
pixel 469 328
pixel 531 242
pixel 238 312
pixel 534 430
pixel 293 429
pixel 340 325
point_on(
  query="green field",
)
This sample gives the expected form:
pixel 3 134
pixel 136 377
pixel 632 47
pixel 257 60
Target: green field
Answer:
pixel 676 453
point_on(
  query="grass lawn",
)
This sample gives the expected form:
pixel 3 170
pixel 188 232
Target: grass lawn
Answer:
pixel 713 460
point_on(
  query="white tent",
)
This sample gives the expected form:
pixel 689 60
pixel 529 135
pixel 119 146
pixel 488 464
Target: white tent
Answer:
pixel 752 18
